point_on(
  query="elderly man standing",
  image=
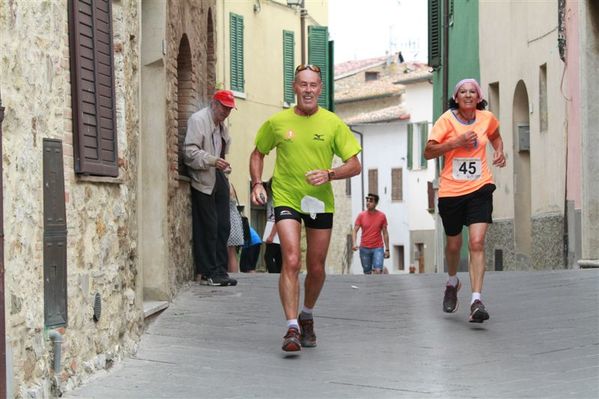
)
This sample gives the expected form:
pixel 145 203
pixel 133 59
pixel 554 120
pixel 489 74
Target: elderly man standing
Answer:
pixel 306 138
pixel 206 143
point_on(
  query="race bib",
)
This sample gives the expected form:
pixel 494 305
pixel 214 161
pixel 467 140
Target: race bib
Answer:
pixel 466 168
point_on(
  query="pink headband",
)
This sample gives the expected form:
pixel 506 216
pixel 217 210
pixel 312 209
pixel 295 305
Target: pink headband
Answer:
pixel 462 82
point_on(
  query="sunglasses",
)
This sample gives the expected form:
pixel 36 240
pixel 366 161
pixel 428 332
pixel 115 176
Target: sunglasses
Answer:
pixel 369 199
pixel 302 67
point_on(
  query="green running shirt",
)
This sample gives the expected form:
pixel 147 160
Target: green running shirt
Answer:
pixel 304 143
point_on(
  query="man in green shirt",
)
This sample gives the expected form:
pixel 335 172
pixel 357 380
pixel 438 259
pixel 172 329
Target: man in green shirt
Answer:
pixel 306 138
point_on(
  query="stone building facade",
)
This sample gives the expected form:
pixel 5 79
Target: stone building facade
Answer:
pixel 127 237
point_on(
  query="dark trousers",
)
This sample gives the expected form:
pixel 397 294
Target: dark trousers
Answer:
pixel 211 227
pixel 249 258
pixel 273 258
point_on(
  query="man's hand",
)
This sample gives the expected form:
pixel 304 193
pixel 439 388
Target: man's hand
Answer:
pixel 387 255
pixel 258 195
pixel 222 164
pixel 354 248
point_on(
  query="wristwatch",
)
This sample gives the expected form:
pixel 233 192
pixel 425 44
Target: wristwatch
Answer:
pixel 331 173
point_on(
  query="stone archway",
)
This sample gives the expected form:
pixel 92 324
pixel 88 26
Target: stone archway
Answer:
pixel 522 177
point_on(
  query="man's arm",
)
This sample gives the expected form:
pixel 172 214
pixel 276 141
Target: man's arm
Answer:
pixel 195 156
pixel 258 194
pixel 354 235
pixel 351 167
pixel 386 241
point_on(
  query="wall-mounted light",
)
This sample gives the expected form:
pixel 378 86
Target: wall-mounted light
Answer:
pixel 295 3
pixel 257 6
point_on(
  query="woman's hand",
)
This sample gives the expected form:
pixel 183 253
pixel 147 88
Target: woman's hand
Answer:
pixel 468 139
pixel 499 159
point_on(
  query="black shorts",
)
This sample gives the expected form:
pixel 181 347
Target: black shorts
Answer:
pixel 322 220
pixel 464 210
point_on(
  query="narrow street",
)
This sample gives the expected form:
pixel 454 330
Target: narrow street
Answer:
pixel 378 337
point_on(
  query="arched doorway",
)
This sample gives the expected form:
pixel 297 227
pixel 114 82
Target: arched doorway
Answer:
pixel 186 98
pixel 522 179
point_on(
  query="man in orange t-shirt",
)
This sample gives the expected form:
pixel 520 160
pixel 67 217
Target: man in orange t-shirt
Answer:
pixel 466 186
pixel 374 231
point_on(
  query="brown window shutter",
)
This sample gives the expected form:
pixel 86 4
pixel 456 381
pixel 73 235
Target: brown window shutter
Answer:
pixel 373 181
pixel 396 184
pixel 92 83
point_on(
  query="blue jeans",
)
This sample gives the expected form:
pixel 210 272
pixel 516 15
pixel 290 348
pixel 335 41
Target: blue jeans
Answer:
pixel 372 258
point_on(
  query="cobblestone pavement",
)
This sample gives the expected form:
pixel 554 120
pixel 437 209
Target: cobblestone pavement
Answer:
pixel 382 336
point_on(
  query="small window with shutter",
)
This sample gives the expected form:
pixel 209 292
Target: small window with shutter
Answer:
pixel 92 87
pixel 373 181
pixel 396 184
pixel 288 66
pixel 237 57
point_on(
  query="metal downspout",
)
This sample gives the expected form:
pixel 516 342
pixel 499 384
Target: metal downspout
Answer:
pixel 2 313
pixel 361 162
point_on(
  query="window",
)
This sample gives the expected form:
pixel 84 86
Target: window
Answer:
pixel 373 181
pixel 494 98
pixel 434 33
pixel 417 138
pixel 92 88
pixel 396 184
pixel 236 42
pixel 371 75
pixel 543 116
pixel 288 66
pixel 318 54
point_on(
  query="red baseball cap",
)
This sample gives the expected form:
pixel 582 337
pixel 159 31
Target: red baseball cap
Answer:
pixel 225 97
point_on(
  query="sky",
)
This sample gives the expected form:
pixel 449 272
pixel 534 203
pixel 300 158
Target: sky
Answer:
pixel 365 29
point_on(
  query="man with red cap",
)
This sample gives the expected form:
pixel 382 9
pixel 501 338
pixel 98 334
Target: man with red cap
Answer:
pixel 206 143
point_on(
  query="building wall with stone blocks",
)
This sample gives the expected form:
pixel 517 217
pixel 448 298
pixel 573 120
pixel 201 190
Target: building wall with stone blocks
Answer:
pixel 103 215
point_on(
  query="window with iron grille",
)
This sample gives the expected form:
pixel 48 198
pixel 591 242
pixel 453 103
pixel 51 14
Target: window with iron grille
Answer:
pixel 92 87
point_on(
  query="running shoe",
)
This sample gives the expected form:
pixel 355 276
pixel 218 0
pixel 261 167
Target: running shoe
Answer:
pixel 216 281
pixel 478 313
pixel 291 341
pixel 450 299
pixel 308 338
pixel 230 280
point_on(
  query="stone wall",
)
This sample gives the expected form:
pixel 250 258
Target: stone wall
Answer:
pixel 547 250
pixel 100 213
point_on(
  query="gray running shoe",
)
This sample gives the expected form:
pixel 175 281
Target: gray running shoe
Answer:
pixel 308 338
pixel 450 299
pixel 478 313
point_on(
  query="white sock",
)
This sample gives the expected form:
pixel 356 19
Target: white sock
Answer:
pixel 475 296
pixel 293 323
pixel 307 311
pixel 452 280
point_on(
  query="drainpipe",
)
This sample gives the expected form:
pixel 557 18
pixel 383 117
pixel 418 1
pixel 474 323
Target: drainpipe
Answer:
pixel 361 162
pixel 2 322
pixel 303 14
pixel 445 61
pixel 56 339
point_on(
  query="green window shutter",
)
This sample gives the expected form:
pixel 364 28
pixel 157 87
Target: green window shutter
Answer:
pixel 423 139
pixel 236 42
pixel 288 66
pixel 318 54
pixel 410 145
pixel 434 33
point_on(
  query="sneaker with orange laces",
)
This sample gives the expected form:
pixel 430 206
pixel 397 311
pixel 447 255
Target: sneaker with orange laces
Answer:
pixel 308 338
pixel 291 341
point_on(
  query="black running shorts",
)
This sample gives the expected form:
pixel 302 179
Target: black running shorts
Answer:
pixel 464 210
pixel 322 220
